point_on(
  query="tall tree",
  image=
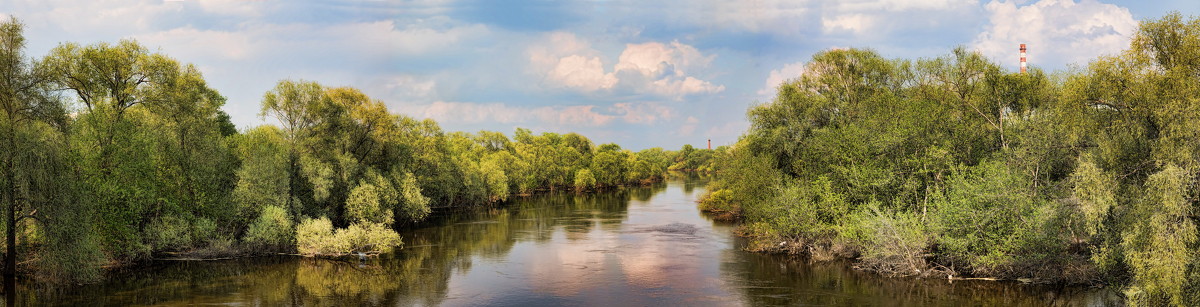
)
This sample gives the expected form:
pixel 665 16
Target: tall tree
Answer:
pixel 35 173
pixel 292 103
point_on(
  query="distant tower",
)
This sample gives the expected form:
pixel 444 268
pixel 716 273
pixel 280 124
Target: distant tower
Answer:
pixel 709 143
pixel 1022 58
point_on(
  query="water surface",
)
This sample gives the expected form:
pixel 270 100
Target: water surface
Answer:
pixel 646 246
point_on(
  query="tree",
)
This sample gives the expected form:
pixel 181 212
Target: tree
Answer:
pixel 291 103
pixel 262 180
pixel 36 175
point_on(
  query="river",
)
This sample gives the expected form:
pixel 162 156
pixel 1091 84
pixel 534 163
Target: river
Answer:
pixel 645 246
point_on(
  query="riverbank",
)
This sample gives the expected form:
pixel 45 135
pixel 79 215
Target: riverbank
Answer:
pixel 219 250
pixel 636 246
pixel 1076 271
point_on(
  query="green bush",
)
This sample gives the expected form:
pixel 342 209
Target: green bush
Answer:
pixel 317 236
pixel 367 237
pixel 366 204
pixel 272 229
pixel 584 180
pixel 991 222
pixel 719 201
pixel 169 233
pixel 891 242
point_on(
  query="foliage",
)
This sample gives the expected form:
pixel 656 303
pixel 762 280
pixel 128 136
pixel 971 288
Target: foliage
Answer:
pixel 584 180
pixel 272 230
pixel 115 152
pixel 317 236
pixel 953 166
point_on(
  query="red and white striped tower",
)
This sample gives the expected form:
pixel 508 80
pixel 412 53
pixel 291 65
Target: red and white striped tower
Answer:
pixel 1022 58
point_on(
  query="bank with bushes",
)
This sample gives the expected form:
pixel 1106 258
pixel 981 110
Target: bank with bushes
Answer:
pixel 115 154
pixel 954 167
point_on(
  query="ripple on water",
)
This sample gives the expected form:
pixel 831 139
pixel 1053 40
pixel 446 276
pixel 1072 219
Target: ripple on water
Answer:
pixel 672 228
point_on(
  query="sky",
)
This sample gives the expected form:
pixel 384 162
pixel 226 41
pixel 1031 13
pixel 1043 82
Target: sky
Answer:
pixel 637 73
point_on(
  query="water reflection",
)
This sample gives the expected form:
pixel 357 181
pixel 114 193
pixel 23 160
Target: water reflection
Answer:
pixel 634 246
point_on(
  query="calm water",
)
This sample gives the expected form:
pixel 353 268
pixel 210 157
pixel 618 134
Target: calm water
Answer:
pixel 634 247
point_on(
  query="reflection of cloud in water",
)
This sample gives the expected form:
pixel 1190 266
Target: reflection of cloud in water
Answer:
pixel 662 256
pixel 570 266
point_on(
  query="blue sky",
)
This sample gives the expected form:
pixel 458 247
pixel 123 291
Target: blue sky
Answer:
pixel 638 73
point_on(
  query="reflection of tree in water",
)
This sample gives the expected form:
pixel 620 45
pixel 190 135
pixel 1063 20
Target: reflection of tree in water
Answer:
pixel 690 180
pixel 770 280
pixel 268 280
pixel 418 274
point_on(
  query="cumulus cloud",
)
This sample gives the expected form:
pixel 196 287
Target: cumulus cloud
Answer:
pixel 1056 31
pixel 580 72
pixel 854 23
pixel 565 61
pixel 776 77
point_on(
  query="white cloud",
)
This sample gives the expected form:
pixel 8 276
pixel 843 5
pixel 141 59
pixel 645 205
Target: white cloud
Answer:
pixel 1055 31
pixel 655 59
pixel 563 60
pixel 854 23
pixel 572 116
pixel 584 73
pixel 783 74
pixel 679 87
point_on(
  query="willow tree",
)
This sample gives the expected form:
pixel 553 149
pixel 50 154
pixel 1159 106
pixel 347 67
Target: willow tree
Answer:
pixel 292 102
pixel 36 174
pixel 148 141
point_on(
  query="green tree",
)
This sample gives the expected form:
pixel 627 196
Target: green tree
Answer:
pixel 36 175
pixel 291 103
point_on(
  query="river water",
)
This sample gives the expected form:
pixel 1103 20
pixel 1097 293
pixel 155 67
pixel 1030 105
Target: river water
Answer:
pixel 646 246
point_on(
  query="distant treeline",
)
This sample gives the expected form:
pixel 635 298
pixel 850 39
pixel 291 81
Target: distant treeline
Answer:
pixel 113 153
pixel 953 167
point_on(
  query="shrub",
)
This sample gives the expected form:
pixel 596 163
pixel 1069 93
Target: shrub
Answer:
pixel 719 201
pixel 892 242
pixel 365 204
pixel 367 237
pixel 317 236
pixel 169 232
pixel 990 221
pixel 272 229
pixel 584 180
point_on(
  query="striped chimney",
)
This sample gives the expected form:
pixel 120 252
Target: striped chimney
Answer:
pixel 1022 58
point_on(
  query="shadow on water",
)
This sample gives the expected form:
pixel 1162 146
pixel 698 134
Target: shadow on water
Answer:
pixel 631 246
